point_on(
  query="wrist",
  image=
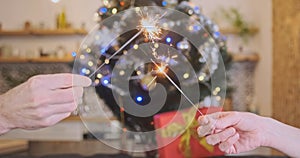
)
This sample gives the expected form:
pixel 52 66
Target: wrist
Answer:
pixel 269 133
pixel 4 125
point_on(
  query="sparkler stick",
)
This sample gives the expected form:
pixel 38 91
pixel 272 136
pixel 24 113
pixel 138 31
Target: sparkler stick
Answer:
pixel 118 51
pixel 168 77
pixel 150 29
pixel 148 85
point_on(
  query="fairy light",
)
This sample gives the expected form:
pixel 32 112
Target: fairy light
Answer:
pixel 88 50
pixel 97 81
pixel 114 11
pixel 82 57
pixel 136 47
pixel 87 72
pixel 138 72
pixel 99 76
pixel 218 98
pixel 122 73
pixel 186 76
pixel 201 78
pixel 90 63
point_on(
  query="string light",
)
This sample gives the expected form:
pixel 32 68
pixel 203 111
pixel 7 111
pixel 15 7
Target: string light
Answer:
pixel 186 76
pixel 82 56
pixel 114 11
pixel 139 99
pixel 87 72
pixel 164 3
pixel 168 39
pixel 105 81
pixel 99 76
pixel 201 78
pixel 97 81
pixel 74 54
pixel 88 50
pixel 103 10
pixel 136 47
pixel 90 63
pixel 83 70
pixel 122 73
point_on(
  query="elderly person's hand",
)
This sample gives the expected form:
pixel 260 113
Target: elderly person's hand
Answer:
pixel 237 132
pixel 42 101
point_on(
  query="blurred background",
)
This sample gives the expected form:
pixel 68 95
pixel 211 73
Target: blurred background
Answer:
pixel 43 36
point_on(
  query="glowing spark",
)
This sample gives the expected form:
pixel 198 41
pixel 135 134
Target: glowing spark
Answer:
pixel 177 87
pixel 150 26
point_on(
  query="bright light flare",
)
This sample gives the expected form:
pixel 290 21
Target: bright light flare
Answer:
pixel 150 26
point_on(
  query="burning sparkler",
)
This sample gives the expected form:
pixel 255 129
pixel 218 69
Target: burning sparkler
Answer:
pixel 150 28
pixel 176 86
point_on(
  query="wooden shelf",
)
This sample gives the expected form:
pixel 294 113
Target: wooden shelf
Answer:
pixel 36 60
pixel 12 146
pixel 253 57
pixel 43 32
pixel 233 31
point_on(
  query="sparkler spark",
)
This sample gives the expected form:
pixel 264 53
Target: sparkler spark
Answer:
pixel 150 26
pixel 177 87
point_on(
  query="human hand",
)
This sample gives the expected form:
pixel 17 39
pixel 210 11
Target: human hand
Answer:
pixel 41 101
pixel 235 132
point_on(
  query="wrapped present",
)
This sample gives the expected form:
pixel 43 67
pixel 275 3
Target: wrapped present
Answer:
pixel 178 138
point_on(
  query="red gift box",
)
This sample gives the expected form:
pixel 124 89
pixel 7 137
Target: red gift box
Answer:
pixel 187 144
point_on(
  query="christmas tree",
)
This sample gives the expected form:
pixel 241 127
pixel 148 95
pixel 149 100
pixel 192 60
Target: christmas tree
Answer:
pixel 126 81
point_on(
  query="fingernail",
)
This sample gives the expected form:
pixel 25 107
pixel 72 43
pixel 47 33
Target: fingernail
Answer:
pixel 205 120
pixel 88 81
pixel 200 132
pixel 223 147
pixel 210 141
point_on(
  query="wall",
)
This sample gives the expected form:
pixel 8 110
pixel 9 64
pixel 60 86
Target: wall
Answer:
pixel 258 13
pixel 13 13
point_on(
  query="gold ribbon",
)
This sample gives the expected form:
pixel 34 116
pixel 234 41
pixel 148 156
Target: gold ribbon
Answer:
pixel 175 129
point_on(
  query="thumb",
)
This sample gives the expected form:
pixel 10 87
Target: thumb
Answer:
pixel 81 81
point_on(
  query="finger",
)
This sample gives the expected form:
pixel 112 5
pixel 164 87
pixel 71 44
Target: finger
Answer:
pixel 205 130
pixel 60 96
pixel 58 81
pixel 228 120
pixel 203 120
pixel 221 136
pixel 231 150
pixel 228 144
pixel 218 115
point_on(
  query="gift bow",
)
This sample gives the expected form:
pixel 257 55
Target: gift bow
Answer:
pixel 174 129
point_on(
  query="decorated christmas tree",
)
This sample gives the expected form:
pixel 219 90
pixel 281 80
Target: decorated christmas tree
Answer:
pixel 178 73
